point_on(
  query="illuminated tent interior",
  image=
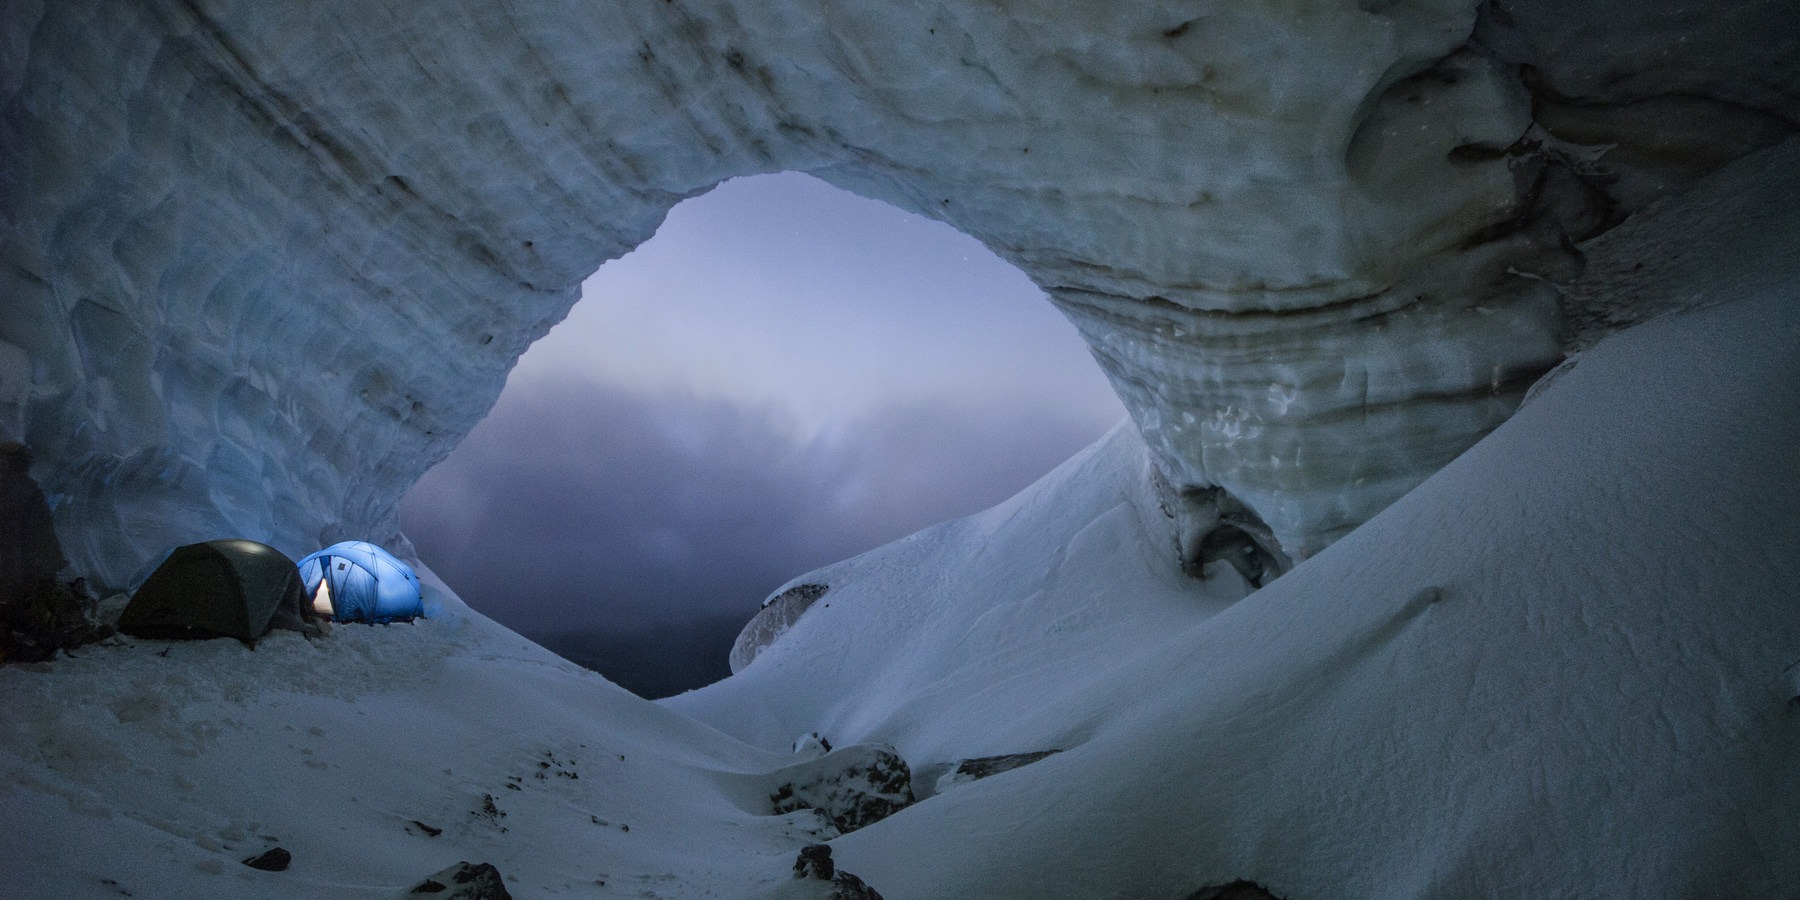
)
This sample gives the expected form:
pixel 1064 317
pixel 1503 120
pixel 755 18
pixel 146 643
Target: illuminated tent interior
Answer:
pixel 356 581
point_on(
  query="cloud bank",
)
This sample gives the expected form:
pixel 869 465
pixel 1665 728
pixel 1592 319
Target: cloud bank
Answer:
pixel 580 507
pixel 784 376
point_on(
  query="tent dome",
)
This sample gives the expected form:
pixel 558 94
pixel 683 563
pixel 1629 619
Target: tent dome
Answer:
pixel 363 582
pixel 230 588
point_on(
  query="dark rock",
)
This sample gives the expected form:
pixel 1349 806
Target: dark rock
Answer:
pixel 427 830
pixel 812 743
pixel 1240 889
pixel 1212 525
pixel 778 614
pixel 489 812
pixel 964 771
pixel 806 592
pixel 465 881
pixel 29 550
pixel 845 886
pixel 40 613
pixel 53 616
pixel 853 786
pixel 815 862
pixel 275 860
pixel 983 766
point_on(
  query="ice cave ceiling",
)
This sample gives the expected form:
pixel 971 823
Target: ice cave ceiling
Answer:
pixel 266 262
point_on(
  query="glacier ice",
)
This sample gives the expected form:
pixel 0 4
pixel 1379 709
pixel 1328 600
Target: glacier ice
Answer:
pixel 265 263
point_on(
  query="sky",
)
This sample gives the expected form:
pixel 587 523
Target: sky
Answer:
pixel 785 375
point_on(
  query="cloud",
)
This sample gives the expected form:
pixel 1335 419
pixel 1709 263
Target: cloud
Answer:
pixel 575 507
pixel 783 290
pixel 678 447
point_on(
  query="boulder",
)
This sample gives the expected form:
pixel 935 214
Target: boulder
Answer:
pixel 854 786
pixel 814 864
pixel 1240 889
pixel 464 881
pixel 276 859
pixel 964 771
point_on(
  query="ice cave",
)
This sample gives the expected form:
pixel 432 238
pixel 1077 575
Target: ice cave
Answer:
pixel 1448 549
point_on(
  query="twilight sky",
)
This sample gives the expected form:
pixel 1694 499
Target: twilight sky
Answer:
pixel 784 376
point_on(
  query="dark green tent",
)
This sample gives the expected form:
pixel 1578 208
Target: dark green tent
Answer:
pixel 229 588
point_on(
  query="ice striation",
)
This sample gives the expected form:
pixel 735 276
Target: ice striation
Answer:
pixel 265 263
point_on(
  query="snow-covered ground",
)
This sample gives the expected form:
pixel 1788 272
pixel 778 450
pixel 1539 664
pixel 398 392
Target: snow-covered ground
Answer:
pixel 182 759
pixel 1562 666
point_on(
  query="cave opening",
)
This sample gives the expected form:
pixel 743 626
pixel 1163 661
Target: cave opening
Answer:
pixel 785 375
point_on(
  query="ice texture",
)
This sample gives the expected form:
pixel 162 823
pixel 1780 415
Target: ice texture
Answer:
pixel 265 263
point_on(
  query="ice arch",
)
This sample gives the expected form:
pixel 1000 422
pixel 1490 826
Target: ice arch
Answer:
pixel 267 262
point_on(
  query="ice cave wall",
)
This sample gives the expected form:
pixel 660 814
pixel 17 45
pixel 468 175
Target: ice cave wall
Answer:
pixel 265 263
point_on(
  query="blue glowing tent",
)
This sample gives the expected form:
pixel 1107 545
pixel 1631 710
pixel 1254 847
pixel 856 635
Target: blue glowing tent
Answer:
pixel 356 581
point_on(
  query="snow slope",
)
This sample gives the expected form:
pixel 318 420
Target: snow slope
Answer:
pixel 1563 666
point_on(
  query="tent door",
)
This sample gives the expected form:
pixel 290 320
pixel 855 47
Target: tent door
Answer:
pixel 321 601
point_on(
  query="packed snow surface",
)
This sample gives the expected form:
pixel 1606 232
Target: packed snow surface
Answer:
pixel 1562 666
pixel 376 756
